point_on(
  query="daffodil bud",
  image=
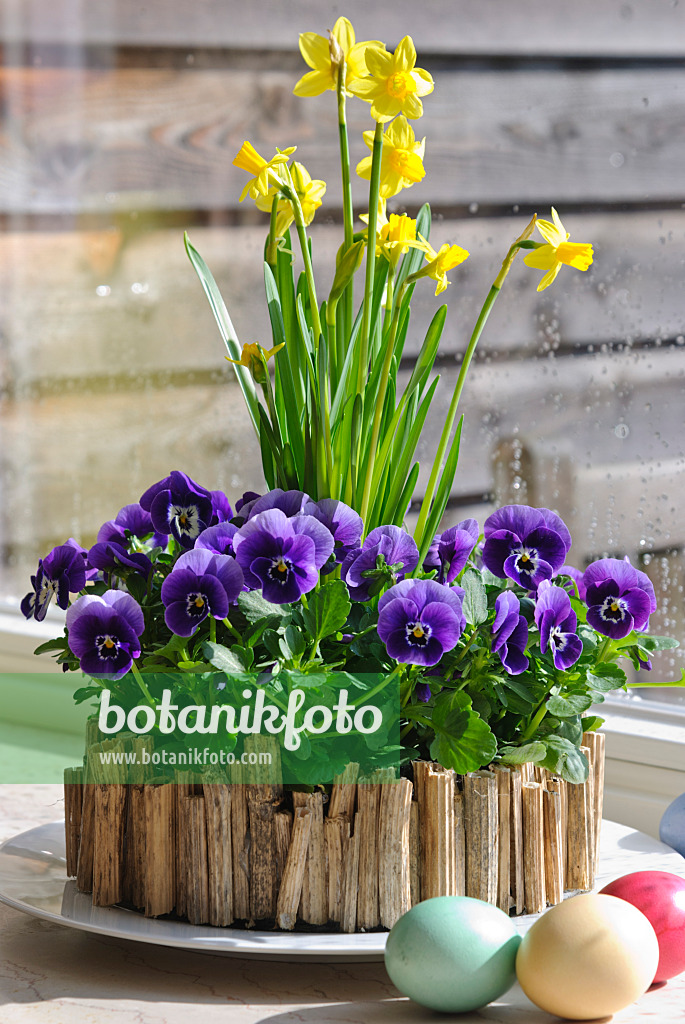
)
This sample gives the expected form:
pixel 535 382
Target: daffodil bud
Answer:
pixel 348 262
pixel 336 51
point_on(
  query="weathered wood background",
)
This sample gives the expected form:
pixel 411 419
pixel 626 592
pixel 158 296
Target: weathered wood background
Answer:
pixel 119 125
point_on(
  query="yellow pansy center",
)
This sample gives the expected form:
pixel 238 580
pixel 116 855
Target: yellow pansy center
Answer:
pixel 525 558
pixel 109 642
pixel 399 84
pixel 614 607
pixel 199 601
pixel 281 566
pixel 418 631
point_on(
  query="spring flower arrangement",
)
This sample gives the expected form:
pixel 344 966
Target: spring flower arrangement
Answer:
pixel 499 646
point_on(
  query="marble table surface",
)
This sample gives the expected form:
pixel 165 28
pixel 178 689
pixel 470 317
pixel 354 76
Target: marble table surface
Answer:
pixel 50 974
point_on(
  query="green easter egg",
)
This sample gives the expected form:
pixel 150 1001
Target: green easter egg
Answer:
pixel 453 953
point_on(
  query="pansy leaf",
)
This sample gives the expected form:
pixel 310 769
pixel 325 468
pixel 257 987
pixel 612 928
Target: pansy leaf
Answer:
pixel 591 723
pixel 327 610
pixel 85 693
pixel 292 644
pixel 222 657
pixel 58 644
pixel 254 607
pixel 606 677
pixel 463 741
pixel 568 705
pixel 475 602
pixel 522 755
pixel 565 759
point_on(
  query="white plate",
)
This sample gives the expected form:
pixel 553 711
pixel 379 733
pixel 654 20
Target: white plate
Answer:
pixel 32 879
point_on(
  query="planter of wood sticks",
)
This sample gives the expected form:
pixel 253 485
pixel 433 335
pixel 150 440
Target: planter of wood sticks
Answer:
pixel 353 859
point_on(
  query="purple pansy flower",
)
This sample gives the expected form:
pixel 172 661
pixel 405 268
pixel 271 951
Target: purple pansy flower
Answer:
pixel 104 633
pixel 111 556
pixel 620 598
pixel 218 539
pixel 202 583
pixel 510 633
pixel 221 508
pixel 282 556
pixel 422 693
pixel 419 620
pixel 526 544
pixel 291 503
pixel 343 523
pixel 60 573
pixel 557 622
pixel 360 569
pixel 450 550
pixel 179 506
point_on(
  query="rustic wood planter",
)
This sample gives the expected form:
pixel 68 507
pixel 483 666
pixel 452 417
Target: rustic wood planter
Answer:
pixel 239 854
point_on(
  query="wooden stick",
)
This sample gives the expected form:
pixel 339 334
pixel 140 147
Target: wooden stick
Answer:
pixel 459 836
pixel 134 847
pixel 596 743
pixel 481 826
pixel 436 819
pixel 394 887
pixel 159 849
pixel 314 890
pixel 108 851
pixel 197 875
pixel 73 803
pixel 348 915
pixel 290 892
pixel 262 855
pixel 344 793
pixel 240 842
pixel 414 854
pixel 554 847
pixel 337 834
pixel 368 802
pixel 516 842
pixel 503 776
pixel 84 871
pixel 219 853
pixel 580 837
pixel 183 788
pixel 283 825
pixel 533 848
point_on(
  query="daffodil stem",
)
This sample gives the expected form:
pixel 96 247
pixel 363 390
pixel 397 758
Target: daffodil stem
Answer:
pixel 380 403
pixel 272 241
pixel 291 193
pixel 440 455
pixel 348 213
pixel 374 190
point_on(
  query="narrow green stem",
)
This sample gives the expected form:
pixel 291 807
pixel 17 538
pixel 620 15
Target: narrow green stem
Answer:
pixel 212 629
pixel 232 629
pixel 534 722
pixel 335 357
pixel 348 213
pixel 440 456
pixel 379 686
pixel 272 241
pixel 601 654
pixel 374 190
pixel 142 684
pixel 290 192
pixel 380 403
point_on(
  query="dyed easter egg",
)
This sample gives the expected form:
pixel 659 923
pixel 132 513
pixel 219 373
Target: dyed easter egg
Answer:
pixel 587 957
pixel 672 825
pixel 452 953
pixel 660 896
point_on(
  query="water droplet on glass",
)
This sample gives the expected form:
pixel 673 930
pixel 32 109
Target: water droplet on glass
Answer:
pixel 622 430
pixel 139 288
pixel 473 207
pixel 617 159
pixel 103 290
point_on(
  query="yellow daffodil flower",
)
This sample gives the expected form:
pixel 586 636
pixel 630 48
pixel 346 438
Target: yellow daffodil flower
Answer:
pixel 441 262
pixel 396 237
pixel 324 57
pixel 254 358
pixel 310 194
pixel 401 159
pixel 264 172
pixel 395 85
pixel 557 250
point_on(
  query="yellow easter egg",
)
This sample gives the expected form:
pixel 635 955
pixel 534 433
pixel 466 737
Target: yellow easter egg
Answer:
pixel 587 957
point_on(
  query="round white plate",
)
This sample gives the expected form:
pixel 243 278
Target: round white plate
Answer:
pixel 32 879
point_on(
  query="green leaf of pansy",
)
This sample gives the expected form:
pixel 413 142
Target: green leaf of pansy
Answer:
pixel 475 598
pixel 327 609
pixel 569 705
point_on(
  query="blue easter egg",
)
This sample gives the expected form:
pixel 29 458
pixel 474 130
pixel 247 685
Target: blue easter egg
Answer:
pixel 672 827
pixel 453 953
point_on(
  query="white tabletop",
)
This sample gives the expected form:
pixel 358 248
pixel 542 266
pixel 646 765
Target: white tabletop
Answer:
pixel 50 974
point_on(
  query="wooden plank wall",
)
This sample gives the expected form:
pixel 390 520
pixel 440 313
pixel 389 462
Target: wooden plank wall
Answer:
pixel 119 125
